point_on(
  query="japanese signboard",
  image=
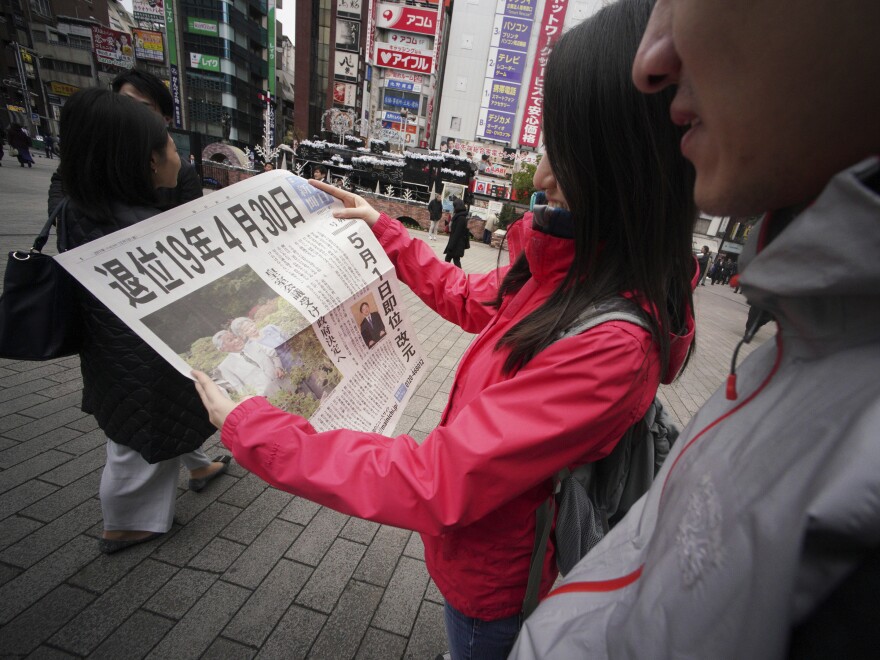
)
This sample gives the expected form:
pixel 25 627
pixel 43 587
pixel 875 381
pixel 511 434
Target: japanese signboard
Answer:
pixel 348 35
pixel 202 26
pixel 149 10
pixel 112 48
pixel 505 68
pixel 551 30
pixel 350 8
pixel 346 66
pixel 415 60
pixel 316 323
pixel 148 45
pixel 204 62
pixel 406 19
pixel 344 93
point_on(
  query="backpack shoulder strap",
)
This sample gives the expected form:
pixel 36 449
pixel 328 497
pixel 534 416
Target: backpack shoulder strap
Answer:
pixel 616 308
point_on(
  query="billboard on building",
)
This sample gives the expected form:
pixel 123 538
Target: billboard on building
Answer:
pixel 62 89
pixel 550 31
pixel 345 66
pixel 345 93
pixel 351 8
pixel 112 48
pixel 204 62
pixel 148 45
pixel 149 10
pixel 204 26
pixel 508 54
pixel 414 60
pixel 348 35
pixel 410 40
pixel 406 19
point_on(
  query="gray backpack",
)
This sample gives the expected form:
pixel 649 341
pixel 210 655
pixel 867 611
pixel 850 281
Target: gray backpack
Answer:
pixel 593 497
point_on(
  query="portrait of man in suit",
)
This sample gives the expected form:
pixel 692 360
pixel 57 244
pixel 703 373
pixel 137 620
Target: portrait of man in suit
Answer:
pixel 372 327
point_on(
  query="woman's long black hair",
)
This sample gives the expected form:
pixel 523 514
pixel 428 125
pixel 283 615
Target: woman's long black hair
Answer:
pixel 107 141
pixel 616 158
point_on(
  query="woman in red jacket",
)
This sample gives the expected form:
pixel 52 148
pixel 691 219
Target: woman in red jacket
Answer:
pixel 523 405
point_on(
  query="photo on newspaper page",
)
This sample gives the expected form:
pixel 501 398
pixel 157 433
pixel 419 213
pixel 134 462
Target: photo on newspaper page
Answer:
pixel 260 287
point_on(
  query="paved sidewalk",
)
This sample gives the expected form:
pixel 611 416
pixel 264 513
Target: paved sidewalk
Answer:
pixel 247 571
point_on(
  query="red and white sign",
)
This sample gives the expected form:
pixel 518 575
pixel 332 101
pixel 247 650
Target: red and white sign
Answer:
pixel 406 19
pixel 411 40
pixel 551 30
pixel 415 62
pixel 344 93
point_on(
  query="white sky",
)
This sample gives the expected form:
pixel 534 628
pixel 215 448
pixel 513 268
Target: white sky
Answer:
pixel 286 15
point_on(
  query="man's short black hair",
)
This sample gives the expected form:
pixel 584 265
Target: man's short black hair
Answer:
pixel 148 85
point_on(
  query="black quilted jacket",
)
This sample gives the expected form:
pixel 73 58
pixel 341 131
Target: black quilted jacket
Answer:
pixel 138 399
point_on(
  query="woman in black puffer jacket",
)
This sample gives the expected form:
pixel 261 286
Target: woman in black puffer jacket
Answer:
pixel 116 153
pixel 459 240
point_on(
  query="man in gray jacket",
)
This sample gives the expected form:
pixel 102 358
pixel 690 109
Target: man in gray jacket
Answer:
pixel 759 538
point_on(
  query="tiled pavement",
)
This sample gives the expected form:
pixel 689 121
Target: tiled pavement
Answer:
pixel 247 571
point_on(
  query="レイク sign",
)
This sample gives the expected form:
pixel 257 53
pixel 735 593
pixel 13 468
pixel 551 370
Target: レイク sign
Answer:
pixel 406 19
pixel 204 62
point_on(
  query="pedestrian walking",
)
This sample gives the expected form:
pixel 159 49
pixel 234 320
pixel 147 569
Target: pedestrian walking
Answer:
pixel 522 405
pixel 147 410
pixel 459 234
pixel 49 145
pixel 760 538
pixel 435 212
pixel 21 142
pixel 703 262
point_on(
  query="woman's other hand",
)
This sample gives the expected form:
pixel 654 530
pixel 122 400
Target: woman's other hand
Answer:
pixel 213 398
pixel 355 205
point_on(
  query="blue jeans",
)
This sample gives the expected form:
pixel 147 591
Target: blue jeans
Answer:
pixel 475 639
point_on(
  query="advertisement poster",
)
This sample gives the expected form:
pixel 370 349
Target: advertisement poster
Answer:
pixel 112 48
pixel 344 93
pixel 148 45
pixel 149 10
pixel 261 288
pixel 352 8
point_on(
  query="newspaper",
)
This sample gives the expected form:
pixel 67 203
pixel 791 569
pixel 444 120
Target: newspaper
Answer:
pixel 260 287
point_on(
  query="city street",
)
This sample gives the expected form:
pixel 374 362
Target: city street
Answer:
pixel 247 570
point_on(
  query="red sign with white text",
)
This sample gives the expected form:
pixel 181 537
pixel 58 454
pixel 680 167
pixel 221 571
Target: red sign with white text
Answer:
pixel 415 62
pixel 406 19
pixel 551 30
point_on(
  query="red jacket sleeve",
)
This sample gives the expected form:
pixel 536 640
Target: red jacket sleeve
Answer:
pixel 567 406
pixel 455 295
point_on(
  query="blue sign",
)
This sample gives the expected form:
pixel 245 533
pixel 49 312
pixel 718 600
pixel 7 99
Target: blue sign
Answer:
pixel 499 126
pixel 399 84
pixel 399 102
pixel 393 116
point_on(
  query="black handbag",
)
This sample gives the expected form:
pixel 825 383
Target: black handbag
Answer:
pixel 39 312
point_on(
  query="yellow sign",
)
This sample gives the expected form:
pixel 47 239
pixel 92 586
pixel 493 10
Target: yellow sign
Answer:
pixel 63 89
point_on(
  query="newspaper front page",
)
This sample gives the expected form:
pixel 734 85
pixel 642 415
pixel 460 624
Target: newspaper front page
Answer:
pixel 261 288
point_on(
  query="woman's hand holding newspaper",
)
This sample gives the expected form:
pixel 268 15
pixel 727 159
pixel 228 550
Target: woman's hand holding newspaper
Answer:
pixel 355 205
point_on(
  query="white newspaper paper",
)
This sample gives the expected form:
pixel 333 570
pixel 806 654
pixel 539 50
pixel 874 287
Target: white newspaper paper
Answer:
pixel 260 287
